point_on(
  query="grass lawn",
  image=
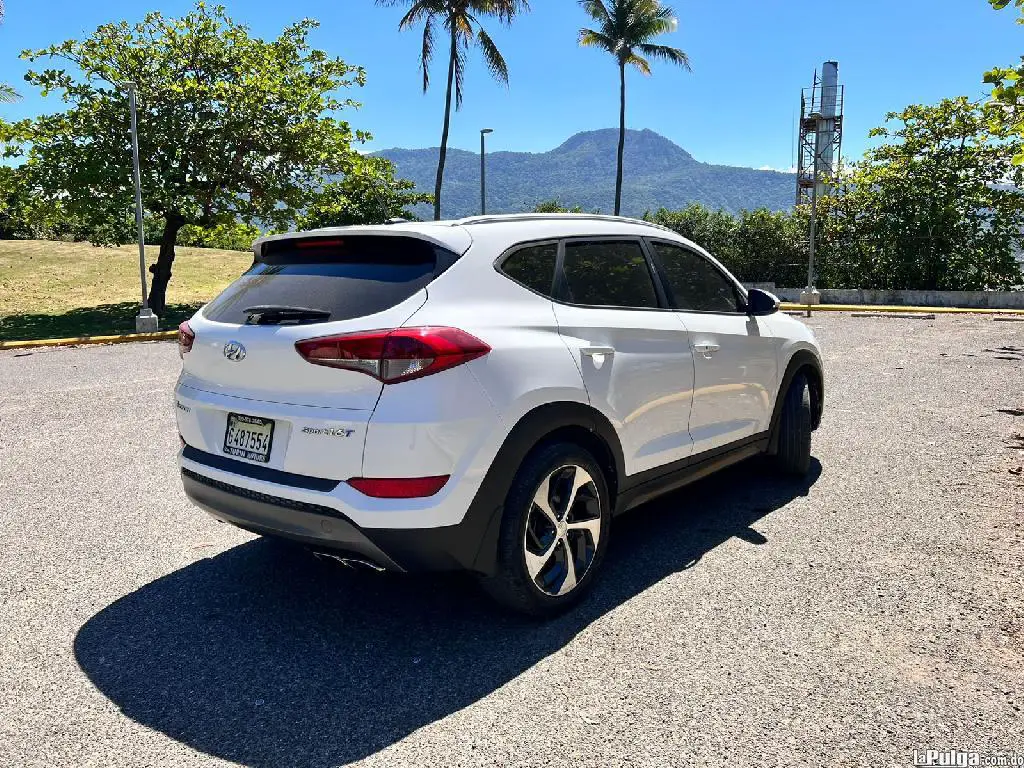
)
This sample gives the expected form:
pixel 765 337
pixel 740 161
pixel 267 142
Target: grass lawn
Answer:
pixel 56 290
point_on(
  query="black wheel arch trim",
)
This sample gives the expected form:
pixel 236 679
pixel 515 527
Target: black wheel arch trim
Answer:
pixel 802 361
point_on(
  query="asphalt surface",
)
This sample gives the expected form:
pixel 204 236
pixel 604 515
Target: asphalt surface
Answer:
pixel 875 609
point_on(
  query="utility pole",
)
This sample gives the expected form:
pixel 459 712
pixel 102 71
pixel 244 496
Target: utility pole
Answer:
pixel 146 322
pixel 483 170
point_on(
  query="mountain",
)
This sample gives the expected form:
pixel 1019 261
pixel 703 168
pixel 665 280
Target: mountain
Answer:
pixel 658 173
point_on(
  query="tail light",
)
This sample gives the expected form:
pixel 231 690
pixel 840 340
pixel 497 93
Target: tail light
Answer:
pixel 398 487
pixel 397 354
pixel 185 339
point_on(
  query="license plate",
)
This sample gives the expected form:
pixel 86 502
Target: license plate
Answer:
pixel 249 437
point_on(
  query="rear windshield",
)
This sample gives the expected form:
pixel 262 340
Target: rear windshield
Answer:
pixel 307 280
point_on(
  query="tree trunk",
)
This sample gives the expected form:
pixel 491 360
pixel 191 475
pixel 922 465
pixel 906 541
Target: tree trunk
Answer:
pixel 622 137
pixel 161 271
pixel 444 132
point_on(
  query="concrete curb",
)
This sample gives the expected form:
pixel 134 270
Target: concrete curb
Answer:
pixel 81 340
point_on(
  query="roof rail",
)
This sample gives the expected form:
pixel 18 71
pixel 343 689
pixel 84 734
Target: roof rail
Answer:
pixel 507 217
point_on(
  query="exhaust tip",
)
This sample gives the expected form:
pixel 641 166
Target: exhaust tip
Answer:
pixel 356 563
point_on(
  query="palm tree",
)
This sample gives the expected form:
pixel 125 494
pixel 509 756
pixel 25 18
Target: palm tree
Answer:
pixel 7 93
pixel 625 29
pixel 459 18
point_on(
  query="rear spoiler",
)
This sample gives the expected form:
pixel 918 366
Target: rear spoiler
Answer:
pixel 454 239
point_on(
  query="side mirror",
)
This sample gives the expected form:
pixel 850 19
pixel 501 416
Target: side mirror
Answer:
pixel 761 302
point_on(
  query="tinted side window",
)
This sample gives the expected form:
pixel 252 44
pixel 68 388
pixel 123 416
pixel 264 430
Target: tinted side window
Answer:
pixel 611 274
pixel 695 283
pixel 533 266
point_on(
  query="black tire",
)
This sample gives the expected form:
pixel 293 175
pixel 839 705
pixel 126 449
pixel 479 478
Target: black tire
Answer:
pixel 794 448
pixel 512 585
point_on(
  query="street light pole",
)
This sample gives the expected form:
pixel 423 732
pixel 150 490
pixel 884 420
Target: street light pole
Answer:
pixel 483 170
pixel 146 321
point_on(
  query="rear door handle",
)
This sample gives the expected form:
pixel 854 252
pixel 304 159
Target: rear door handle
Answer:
pixel 591 351
pixel 706 348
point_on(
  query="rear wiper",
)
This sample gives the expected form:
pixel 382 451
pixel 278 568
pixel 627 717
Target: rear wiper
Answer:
pixel 274 315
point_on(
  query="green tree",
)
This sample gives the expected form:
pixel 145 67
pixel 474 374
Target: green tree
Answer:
pixel 756 246
pixel 937 206
pixel 553 206
pixel 625 30
pixel 1006 110
pixel 368 193
pixel 15 204
pixel 236 236
pixel 770 246
pixel 230 126
pixel 25 214
pixel 461 23
pixel 715 231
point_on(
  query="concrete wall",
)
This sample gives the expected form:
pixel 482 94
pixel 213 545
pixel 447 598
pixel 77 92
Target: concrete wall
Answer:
pixel 974 299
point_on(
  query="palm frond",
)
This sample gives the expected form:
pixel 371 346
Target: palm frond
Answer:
pixel 459 18
pixel 421 9
pixel 8 95
pixel 597 10
pixel 627 26
pixel 666 53
pixel 639 62
pixel 460 71
pixel 648 28
pixel 463 23
pixel 505 10
pixel 590 38
pixel 492 56
pixel 427 53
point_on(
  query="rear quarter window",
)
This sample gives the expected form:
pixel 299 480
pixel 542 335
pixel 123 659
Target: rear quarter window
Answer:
pixel 344 277
pixel 534 267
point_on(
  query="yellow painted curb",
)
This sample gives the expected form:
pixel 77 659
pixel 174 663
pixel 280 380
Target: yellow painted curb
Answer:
pixel 791 307
pixel 122 339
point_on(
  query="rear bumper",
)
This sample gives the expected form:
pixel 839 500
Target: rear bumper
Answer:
pixel 454 547
pixel 306 523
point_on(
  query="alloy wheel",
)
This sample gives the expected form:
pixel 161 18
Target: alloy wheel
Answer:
pixel 563 529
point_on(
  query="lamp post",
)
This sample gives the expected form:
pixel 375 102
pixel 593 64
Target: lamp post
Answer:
pixel 146 321
pixel 810 295
pixel 483 170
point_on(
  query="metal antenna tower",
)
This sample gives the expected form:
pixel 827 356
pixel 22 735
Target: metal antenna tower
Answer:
pixel 820 142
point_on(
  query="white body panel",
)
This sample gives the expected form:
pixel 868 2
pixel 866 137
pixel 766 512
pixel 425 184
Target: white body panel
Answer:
pixel 637 366
pixel 736 375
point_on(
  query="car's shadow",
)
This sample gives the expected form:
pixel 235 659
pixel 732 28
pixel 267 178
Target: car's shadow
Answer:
pixel 265 656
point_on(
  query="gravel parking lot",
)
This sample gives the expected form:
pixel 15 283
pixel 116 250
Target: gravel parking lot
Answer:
pixel 875 609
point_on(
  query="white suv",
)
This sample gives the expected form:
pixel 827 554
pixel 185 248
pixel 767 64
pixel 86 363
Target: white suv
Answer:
pixel 482 394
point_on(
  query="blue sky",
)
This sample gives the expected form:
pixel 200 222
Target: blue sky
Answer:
pixel 750 60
